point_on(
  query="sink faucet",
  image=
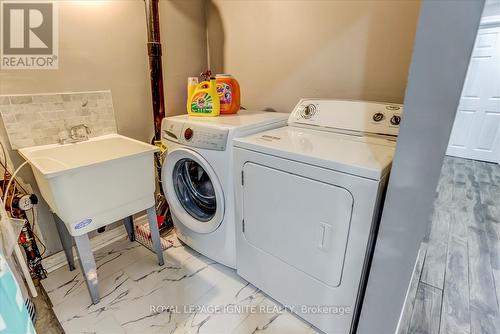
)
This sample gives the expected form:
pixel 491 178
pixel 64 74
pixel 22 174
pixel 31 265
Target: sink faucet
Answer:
pixel 75 135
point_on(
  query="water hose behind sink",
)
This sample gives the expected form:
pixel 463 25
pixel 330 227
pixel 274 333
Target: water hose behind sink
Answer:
pixel 13 176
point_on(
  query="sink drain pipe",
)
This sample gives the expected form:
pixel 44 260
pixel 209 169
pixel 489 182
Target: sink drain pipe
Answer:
pixel 155 66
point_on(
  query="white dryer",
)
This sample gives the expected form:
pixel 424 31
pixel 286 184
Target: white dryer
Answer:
pixel 307 206
pixel 197 177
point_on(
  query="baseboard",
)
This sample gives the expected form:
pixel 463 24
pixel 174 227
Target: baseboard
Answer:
pixel 57 260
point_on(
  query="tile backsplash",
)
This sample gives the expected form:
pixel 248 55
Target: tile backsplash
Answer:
pixel 40 119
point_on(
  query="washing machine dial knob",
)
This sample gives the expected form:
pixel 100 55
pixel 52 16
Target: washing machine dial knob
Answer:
pixel 395 120
pixel 308 111
pixel 377 117
pixel 188 134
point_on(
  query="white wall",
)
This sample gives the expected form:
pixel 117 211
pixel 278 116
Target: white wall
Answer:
pixel 282 50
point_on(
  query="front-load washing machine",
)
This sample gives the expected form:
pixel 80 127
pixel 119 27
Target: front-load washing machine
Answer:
pixel 307 202
pixel 197 177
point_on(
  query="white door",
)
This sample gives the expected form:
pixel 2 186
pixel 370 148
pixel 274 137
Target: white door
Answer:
pixel 476 131
pixel 302 222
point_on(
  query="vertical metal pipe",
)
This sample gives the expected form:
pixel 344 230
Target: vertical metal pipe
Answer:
pixel 155 66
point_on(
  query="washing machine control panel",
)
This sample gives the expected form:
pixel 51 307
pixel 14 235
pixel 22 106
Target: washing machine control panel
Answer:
pixel 204 137
pixel 195 135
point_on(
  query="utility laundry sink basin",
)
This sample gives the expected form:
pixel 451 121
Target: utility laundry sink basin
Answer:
pixel 93 183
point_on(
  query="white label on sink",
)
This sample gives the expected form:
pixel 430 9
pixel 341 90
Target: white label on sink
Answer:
pixel 83 223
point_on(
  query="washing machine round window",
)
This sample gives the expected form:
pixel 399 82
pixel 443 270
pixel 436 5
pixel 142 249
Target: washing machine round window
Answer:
pixel 195 195
pixel 194 189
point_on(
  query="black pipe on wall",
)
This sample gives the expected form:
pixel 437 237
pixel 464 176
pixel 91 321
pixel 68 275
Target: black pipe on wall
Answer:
pixel 155 65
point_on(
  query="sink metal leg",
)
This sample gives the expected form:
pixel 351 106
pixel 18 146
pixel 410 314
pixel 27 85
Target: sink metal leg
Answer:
pixel 155 234
pixel 129 226
pixel 66 241
pixel 87 263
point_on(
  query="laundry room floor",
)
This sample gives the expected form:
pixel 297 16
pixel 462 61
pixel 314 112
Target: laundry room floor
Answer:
pixel 455 288
pixel 456 284
pixel 190 294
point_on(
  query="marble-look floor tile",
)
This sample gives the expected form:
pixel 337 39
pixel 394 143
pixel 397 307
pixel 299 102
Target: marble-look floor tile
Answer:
pixel 271 317
pixel 225 306
pixel 104 324
pixel 142 314
pixel 189 294
pixel 62 283
pixel 115 291
pixel 117 256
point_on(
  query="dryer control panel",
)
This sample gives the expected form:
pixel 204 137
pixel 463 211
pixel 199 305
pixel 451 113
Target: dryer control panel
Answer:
pixel 345 115
pixel 194 135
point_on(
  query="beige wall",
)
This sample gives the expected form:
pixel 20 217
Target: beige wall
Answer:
pixel 102 45
pixel 184 48
pixel 282 50
pixel 279 50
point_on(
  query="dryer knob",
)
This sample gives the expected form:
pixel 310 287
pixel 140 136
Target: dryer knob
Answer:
pixel 395 120
pixel 377 117
pixel 188 134
pixel 308 111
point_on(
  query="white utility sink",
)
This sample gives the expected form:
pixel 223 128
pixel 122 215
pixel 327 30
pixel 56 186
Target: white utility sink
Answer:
pixel 93 183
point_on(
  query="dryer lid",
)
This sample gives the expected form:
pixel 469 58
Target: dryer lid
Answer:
pixel 366 156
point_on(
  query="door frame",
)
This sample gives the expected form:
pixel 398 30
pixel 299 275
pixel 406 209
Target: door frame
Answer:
pixel 443 46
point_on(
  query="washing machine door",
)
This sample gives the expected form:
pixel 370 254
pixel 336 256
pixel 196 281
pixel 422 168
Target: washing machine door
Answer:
pixel 193 190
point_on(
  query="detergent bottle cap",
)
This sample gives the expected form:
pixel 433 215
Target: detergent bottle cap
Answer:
pixel 206 75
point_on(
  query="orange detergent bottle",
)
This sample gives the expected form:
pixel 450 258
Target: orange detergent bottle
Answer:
pixel 228 90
